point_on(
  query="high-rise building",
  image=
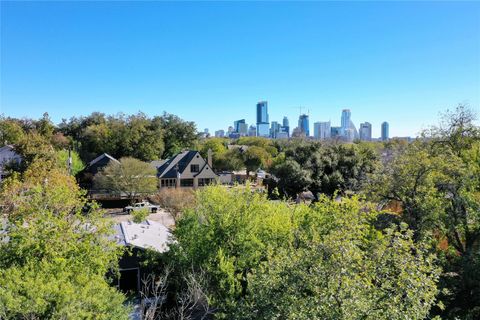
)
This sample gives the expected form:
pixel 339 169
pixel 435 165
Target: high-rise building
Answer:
pixel 286 126
pixel 385 129
pixel 366 131
pixel 335 132
pixel 252 131
pixel 263 129
pixel 348 130
pixel 220 133
pixel 303 124
pixel 321 130
pixel 345 123
pixel 274 129
pixel 240 127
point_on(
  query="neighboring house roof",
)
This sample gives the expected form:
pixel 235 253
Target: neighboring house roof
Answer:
pixel 99 162
pixel 157 163
pixel 178 163
pixel 8 147
pixel 101 157
pixel 146 235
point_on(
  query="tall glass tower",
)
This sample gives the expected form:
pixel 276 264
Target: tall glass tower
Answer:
pixel 303 124
pixel 263 128
pixel 346 115
pixel 385 128
pixel 286 126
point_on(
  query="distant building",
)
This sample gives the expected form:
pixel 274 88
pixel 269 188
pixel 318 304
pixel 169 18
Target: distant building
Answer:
pixel 345 122
pixel 322 130
pixel 335 132
pixel 220 133
pixel 348 130
pixel 240 127
pixel 186 170
pixel 252 131
pixel 85 177
pixel 263 129
pixel 304 125
pixel 282 135
pixel 274 129
pixel 385 133
pixel 230 130
pixel 286 126
pixel 8 156
pixel 366 131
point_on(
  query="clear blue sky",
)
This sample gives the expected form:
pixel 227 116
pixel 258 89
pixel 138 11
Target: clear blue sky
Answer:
pixel 211 62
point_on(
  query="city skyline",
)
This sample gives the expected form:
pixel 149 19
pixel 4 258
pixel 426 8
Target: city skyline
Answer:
pixel 403 63
pixel 320 129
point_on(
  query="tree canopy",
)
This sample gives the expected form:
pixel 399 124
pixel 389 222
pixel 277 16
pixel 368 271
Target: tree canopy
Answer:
pixel 53 256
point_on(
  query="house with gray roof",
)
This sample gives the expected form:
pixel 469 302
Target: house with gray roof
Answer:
pixel 8 156
pixel 186 169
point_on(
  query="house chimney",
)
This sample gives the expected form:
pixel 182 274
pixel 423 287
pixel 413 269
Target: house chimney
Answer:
pixel 209 158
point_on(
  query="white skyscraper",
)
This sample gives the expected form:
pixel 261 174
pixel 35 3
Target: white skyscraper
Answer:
pixel 321 130
pixel 366 131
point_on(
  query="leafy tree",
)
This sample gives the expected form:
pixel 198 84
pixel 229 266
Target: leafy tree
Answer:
pixel 53 257
pixel 265 260
pixel 230 160
pixel 436 181
pixel 217 145
pixel 35 148
pixel 255 157
pixel 178 134
pixel 10 131
pixel 130 176
pixel 62 159
pixel 329 167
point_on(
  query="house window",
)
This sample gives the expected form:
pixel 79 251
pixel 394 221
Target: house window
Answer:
pixel 194 168
pixel 186 182
pixel 204 181
pixel 168 183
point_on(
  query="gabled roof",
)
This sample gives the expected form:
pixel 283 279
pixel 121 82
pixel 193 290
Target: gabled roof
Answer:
pixel 100 157
pixel 169 168
pixel 157 163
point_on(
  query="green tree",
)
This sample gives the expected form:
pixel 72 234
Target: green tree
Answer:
pixel 230 160
pixel 62 159
pixel 255 158
pixel 178 134
pixel 53 257
pixel 10 131
pixel 130 176
pixel 269 260
pixel 329 167
pixel 217 145
pixel 436 181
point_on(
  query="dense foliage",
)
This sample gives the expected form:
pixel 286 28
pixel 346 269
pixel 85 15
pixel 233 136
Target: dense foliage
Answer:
pixel 129 177
pixel 53 256
pixel 267 260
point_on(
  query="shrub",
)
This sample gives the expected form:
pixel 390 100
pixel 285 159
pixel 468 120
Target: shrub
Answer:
pixel 175 201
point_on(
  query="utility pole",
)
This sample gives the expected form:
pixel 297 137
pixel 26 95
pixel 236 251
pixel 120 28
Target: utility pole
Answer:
pixel 69 161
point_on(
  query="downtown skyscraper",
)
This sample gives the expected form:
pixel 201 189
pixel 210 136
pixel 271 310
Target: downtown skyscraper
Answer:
pixel 263 128
pixel 366 131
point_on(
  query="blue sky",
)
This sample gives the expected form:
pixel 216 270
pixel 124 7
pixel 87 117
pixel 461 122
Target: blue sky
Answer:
pixel 401 62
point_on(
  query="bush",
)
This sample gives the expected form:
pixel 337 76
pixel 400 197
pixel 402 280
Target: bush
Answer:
pixel 174 201
pixel 140 215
